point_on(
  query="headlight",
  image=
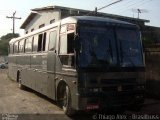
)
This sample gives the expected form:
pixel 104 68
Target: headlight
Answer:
pixel 94 89
pixel 140 87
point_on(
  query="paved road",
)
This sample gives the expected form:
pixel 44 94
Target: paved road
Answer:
pixel 31 105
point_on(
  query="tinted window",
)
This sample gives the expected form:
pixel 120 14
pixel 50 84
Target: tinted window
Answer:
pixel 97 46
pixel 40 38
pixel 129 47
pixel 44 41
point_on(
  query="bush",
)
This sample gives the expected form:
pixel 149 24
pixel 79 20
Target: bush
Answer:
pixel 4 42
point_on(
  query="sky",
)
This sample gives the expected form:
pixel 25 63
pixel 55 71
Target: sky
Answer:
pixel 150 10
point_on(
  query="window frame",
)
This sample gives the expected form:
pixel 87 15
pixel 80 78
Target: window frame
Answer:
pixel 55 42
pixel 42 42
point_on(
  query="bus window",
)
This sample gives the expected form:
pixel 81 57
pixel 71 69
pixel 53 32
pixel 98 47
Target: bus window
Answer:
pixel 41 42
pixel 66 52
pixel 16 47
pixel 40 38
pixel 35 43
pixel 67 44
pixel 63 44
pixel 44 41
pixel 70 43
pixel 28 45
pixel 11 49
pixel 21 46
pixel 52 40
pixel 32 43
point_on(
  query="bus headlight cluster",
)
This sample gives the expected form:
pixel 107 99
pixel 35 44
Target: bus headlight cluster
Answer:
pixel 141 87
pixel 94 89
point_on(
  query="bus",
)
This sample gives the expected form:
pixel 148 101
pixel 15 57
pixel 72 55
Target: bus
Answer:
pixel 83 63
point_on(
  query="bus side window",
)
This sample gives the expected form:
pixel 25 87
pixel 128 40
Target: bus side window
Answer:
pixel 44 42
pixel 67 44
pixel 28 45
pixel 66 52
pixel 63 44
pixel 41 42
pixel 52 40
pixel 16 47
pixel 35 43
pixel 11 48
pixel 21 46
pixel 32 43
pixel 70 43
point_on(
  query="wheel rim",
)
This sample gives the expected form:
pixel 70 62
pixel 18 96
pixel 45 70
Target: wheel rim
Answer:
pixel 65 98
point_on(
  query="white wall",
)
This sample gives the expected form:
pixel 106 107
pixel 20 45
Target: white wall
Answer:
pixel 43 18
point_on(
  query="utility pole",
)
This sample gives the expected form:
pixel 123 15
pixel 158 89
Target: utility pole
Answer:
pixel 139 11
pixel 95 10
pixel 109 4
pixel 13 18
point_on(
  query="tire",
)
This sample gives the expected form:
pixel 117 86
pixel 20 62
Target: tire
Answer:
pixel 22 87
pixel 3 67
pixel 65 100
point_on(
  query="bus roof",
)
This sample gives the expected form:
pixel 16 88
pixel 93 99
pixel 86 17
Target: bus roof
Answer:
pixel 78 19
pixel 91 19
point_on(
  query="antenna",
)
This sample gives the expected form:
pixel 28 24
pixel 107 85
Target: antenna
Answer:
pixel 139 11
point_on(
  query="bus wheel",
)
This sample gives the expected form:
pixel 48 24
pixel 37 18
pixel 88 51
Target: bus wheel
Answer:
pixel 22 87
pixel 64 99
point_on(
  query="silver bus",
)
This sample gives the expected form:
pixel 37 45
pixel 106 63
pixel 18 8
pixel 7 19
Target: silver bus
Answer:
pixel 83 63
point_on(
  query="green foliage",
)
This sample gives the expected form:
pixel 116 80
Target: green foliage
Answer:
pixel 4 42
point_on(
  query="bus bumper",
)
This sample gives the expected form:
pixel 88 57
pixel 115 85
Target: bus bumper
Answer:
pixel 109 100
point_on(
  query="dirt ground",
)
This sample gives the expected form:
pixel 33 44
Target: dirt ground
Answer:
pixel 29 105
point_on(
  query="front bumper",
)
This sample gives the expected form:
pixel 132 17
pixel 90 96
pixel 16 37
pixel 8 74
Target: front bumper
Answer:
pixel 109 100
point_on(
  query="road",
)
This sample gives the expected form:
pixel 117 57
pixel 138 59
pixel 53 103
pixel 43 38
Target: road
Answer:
pixel 32 105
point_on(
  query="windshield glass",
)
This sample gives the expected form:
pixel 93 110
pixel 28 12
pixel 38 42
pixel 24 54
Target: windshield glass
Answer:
pixel 129 47
pixel 109 46
pixel 97 46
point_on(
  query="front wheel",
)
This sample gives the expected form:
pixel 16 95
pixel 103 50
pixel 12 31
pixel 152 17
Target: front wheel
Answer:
pixel 65 100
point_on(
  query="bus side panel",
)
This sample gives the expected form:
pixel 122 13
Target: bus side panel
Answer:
pixel 39 72
pixel 12 67
pixel 51 61
pixel 41 82
pixel 25 72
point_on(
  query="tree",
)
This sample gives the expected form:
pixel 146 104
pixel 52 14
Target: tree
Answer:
pixel 4 42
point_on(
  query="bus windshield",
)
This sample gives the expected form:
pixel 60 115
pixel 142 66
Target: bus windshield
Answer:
pixel 99 46
pixel 130 47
